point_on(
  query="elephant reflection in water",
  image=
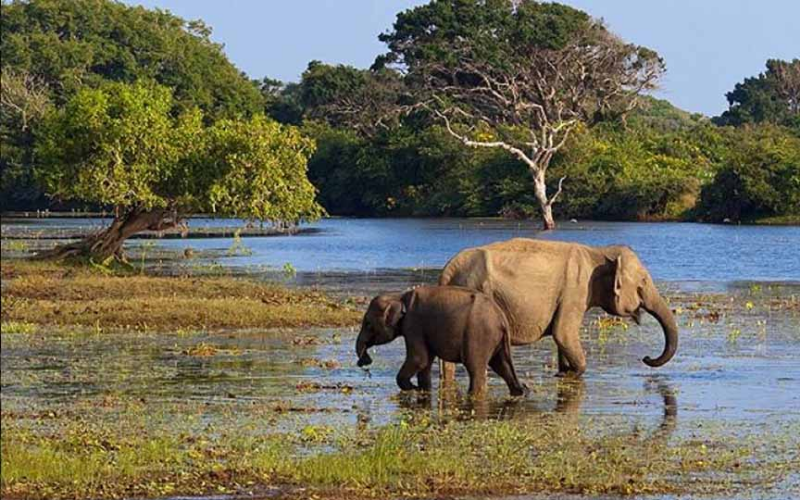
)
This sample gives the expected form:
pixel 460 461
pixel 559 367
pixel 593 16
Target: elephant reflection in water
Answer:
pixel 451 404
pixel 570 395
pixel 667 394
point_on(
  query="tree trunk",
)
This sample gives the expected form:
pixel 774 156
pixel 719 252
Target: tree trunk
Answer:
pixel 547 217
pixel 546 204
pixel 108 242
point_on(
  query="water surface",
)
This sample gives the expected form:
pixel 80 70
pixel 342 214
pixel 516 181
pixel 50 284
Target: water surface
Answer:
pixel 672 251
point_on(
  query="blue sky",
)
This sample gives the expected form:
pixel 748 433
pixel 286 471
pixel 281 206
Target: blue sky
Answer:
pixel 708 45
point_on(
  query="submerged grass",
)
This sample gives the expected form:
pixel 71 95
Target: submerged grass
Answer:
pixel 416 457
pixel 53 294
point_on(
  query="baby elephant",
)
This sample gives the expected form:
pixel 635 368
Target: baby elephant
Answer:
pixel 454 323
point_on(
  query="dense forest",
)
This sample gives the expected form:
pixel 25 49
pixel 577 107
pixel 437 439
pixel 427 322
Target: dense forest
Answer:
pixel 651 161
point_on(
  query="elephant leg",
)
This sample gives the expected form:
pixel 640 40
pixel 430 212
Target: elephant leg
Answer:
pixel 407 371
pixel 563 364
pixel 503 367
pixel 447 373
pixel 566 333
pixel 424 377
pixel 477 378
pixel 571 346
pixel 417 360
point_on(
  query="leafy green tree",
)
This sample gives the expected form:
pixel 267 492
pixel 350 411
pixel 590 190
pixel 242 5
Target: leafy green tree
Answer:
pixel 771 97
pixel 76 43
pixel 344 96
pixel 68 45
pixel 758 174
pixel 634 174
pixel 122 146
pixel 516 75
pixel 662 116
pixel 281 100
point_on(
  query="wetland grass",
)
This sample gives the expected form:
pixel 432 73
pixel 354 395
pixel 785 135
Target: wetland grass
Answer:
pixel 416 457
pixel 52 294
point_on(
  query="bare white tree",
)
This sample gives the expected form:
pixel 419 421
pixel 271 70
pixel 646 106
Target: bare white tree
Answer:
pixel 530 102
pixel 23 96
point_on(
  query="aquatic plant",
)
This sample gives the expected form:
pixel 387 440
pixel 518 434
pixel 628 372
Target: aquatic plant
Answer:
pixel 23 327
pixel 238 248
pixel 289 271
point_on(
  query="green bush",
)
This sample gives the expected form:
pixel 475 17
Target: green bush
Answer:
pixel 757 176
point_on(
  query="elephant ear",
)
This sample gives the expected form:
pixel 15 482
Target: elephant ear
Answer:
pixel 625 279
pixel 408 300
pixel 393 314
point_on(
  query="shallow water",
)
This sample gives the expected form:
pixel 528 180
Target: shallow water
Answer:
pixel 740 370
pixel 752 377
pixel 284 381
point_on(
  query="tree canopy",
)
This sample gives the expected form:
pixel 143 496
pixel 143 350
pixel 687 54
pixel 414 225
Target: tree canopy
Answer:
pixel 122 145
pixel 519 75
pixel 75 43
pixel 64 46
pixel 758 174
pixel 771 97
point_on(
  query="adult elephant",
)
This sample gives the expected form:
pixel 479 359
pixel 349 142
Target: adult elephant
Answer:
pixel 545 287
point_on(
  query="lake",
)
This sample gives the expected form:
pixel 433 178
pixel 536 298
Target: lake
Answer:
pixel 676 252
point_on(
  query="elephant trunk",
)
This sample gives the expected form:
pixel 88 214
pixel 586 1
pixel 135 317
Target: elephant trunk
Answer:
pixel 658 308
pixel 361 350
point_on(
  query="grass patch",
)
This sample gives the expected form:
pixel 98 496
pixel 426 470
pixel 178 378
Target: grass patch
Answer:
pixel 52 294
pixel 778 220
pixel 17 327
pixel 409 459
pixel 92 465
pixel 14 245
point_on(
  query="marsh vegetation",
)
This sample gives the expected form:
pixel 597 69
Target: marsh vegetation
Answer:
pixel 97 405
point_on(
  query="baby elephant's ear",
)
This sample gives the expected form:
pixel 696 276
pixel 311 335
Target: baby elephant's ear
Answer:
pixel 408 299
pixel 393 314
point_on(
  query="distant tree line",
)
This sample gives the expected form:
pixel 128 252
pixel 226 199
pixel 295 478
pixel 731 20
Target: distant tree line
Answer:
pixel 534 88
pixel 654 162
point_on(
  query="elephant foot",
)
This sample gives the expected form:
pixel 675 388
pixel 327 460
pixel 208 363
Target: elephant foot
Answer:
pixel 406 385
pixel 520 391
pixel 569 374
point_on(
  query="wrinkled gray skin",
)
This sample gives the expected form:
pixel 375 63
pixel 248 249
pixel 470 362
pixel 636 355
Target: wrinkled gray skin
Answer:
pixel 545 287
pixel 453 323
